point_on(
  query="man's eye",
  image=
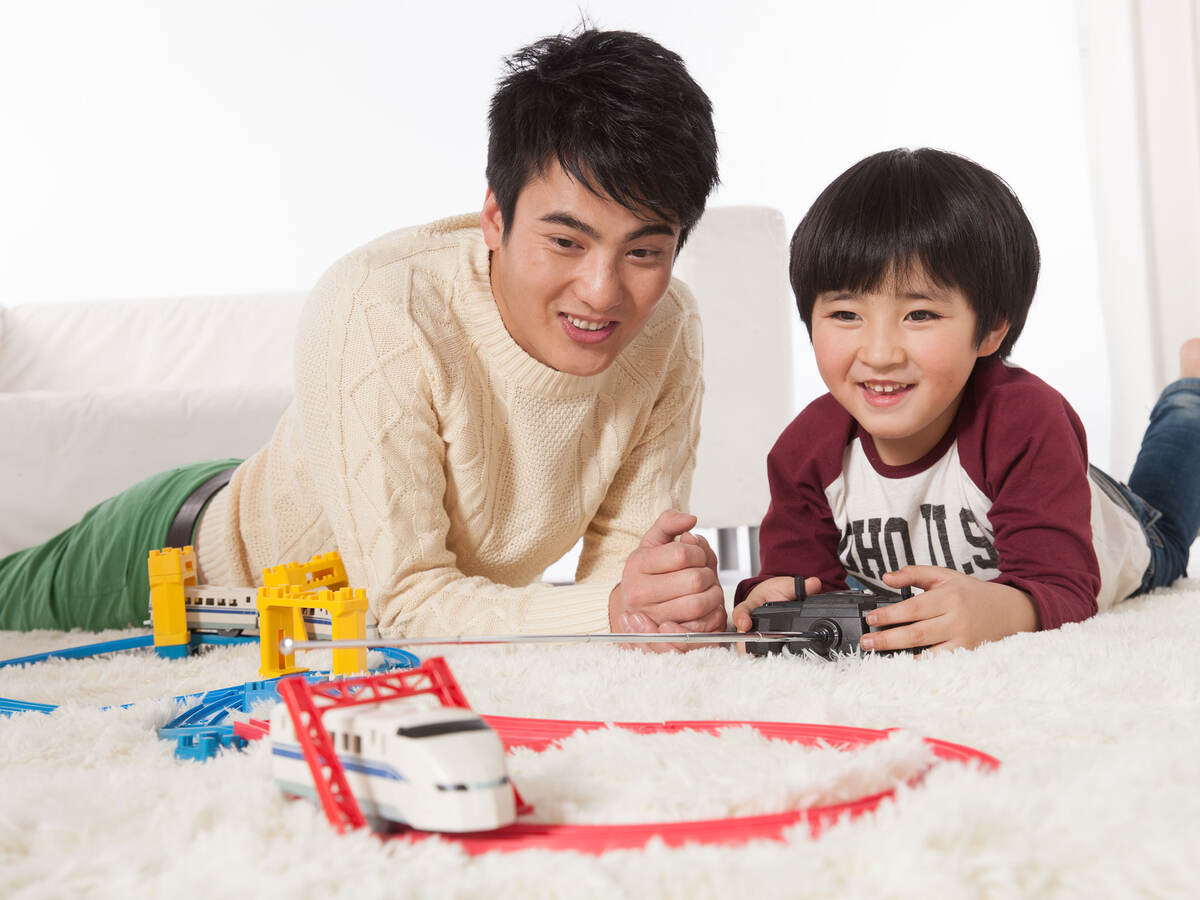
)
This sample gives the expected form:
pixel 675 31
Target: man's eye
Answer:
pixel 564 243
pixel 645 253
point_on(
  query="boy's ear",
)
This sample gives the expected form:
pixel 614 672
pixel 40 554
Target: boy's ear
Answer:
pixel 491 220
pixel 992 340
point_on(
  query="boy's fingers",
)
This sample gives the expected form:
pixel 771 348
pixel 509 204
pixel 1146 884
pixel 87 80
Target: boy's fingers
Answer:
pixel 741 612
pixel 916 634
pixel 923 577
pixel 901 613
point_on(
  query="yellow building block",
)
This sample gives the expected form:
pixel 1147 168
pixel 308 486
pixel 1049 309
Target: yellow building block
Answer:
pixel 348 619
pixel 170 570
pixel 278 611
pixel 323 572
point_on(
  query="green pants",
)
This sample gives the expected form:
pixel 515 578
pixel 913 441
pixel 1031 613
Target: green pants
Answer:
pixel 93 575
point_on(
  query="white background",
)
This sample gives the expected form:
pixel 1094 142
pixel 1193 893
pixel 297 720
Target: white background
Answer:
pixel 171 148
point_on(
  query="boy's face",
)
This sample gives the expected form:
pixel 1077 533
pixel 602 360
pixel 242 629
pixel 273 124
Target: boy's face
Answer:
pixel 898 360
pixel 576 276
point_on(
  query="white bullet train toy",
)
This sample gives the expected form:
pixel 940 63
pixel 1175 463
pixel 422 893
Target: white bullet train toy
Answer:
pixel 231 610
pixel 434 768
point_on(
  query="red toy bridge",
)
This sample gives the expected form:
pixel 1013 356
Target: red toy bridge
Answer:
pixel 307 703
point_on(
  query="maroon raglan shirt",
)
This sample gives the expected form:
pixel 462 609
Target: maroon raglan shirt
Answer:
pixel 1004 496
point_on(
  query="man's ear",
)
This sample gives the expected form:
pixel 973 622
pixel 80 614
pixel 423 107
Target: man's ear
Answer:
pixel 492 221
pixel 992 340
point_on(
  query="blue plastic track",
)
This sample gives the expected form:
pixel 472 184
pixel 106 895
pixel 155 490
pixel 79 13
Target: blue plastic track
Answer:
pixel 84 650
pixel 200 730
pixel 8 707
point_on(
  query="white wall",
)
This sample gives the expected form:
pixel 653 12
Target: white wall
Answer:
pixel 174 148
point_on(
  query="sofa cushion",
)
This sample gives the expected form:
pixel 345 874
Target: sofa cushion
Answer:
pixel 63 452
pixel 154 343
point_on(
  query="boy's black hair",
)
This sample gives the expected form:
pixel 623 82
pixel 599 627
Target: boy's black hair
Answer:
pixel 961 223
pixel 617 111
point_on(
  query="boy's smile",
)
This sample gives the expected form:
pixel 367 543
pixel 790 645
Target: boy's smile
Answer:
pixel 575 276
pixel 897 359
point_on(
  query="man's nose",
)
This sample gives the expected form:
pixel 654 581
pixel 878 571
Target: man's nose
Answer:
pixel 599 283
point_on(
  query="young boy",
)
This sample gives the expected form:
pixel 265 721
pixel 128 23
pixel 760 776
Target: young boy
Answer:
pixel 933 464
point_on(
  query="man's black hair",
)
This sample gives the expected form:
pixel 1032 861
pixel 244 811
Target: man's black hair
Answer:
pixel 617 111
pixel 956 220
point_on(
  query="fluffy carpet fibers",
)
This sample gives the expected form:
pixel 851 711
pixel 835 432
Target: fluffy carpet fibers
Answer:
pixel 1097 727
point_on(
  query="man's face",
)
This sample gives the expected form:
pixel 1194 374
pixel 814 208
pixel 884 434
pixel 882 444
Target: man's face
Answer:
pixel 576 276
pixel 898 360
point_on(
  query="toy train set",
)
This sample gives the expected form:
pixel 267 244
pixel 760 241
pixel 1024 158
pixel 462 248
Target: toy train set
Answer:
pixel 403 747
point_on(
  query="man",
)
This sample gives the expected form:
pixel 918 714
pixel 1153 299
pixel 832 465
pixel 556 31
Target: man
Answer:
pixel 475 395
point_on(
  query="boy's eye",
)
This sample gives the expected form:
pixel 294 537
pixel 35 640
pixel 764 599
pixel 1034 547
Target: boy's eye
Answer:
pixel 923 315
pixel 843 315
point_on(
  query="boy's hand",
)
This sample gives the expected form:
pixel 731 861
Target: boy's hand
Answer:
pixel 954 611
pixel 781 587
pixel 669 581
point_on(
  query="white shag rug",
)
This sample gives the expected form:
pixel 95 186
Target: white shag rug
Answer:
pixel 1096 726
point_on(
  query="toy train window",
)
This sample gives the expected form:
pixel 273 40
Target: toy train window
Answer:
pixel 436 728
pixel 482 785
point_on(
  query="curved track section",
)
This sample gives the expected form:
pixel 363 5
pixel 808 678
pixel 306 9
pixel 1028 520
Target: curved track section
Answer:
pixel 538 734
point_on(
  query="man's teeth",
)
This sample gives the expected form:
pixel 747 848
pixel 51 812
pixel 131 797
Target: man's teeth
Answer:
pixel 884 388
pixel 587 326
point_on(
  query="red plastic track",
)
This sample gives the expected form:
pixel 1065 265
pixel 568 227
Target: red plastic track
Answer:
pixel 538 734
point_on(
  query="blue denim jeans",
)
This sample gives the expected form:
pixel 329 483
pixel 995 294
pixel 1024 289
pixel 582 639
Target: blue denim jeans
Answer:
pixel 1164 489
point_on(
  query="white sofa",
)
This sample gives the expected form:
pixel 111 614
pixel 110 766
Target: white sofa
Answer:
pixel 96 395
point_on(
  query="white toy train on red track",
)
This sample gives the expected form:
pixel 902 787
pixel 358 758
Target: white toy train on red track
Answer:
pixel 435 769
pixel 400 747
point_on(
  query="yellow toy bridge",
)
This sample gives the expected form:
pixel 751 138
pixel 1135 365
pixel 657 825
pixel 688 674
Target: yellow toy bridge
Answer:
pixel 288 591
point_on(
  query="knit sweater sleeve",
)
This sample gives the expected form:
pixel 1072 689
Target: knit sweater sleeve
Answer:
pixel 656 474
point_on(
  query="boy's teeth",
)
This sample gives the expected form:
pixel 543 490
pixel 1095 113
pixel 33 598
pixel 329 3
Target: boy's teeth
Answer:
pixel 587 326
pixel 885 388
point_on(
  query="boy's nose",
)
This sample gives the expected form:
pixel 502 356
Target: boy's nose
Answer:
pixel 880 348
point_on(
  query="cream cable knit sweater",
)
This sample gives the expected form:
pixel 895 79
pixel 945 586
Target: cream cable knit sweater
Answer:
pixel 447 466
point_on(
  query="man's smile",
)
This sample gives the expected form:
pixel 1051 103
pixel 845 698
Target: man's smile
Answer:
pixel 586 331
